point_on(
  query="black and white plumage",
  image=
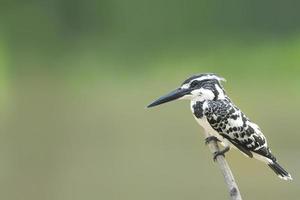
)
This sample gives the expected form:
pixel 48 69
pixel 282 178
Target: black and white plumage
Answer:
pixel 217 114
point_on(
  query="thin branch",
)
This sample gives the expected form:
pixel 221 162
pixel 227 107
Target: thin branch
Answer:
pixel 226 171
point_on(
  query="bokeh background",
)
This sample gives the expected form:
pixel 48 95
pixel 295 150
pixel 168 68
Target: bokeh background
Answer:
pixel 75 77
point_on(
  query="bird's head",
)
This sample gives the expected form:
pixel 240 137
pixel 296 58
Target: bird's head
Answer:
pixel 199 87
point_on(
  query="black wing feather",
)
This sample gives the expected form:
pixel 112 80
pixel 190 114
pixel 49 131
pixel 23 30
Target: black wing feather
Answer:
pixel 244 137
pixel 237 145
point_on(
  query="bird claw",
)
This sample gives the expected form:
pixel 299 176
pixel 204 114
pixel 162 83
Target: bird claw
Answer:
pixel 218 153
pixel 211 138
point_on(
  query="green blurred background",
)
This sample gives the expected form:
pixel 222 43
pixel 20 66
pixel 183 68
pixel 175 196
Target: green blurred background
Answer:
pixel 75 77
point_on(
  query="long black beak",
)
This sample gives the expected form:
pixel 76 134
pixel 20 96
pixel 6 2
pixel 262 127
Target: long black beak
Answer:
pixel 175 94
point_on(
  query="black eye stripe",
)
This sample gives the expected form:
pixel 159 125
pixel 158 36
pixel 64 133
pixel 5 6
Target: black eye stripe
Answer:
pixel 203 83
pixel 194 83
pixel 197 83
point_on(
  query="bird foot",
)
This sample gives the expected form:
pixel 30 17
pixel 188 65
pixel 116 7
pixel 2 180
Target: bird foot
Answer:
pixel 211 138
pixel 221 152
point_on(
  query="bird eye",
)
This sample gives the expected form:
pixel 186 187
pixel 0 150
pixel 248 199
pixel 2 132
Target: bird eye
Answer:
pixel 194 84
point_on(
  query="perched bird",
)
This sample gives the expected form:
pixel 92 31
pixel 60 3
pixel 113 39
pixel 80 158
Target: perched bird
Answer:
pixel 224 121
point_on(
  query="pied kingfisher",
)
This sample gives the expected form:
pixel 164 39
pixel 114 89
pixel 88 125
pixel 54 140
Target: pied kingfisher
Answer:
pixel 224 121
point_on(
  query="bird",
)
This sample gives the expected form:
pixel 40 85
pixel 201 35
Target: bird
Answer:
pixel 223 120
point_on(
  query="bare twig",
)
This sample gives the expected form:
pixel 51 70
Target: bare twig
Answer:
pixel 226 171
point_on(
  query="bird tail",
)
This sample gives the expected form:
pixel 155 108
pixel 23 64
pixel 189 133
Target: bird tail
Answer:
pixel 265 155
pixel 280 172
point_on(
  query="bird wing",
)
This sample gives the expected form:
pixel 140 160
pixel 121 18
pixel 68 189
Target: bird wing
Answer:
pixel 233 125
